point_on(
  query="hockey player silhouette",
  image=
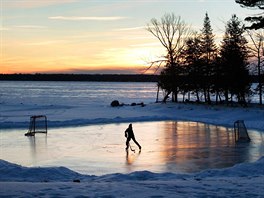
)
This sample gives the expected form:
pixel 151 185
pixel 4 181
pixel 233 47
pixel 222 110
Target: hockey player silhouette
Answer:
pixel 129 134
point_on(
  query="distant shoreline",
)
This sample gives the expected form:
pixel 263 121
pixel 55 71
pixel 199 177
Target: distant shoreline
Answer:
pixel 89 77
pixel 80 77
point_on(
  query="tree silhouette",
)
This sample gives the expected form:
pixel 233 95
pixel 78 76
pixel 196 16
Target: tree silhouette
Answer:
pixel 209 53
pixel 234 55
pixel 257 21
pixel 257 38
pixel 172 32
pixel 193 62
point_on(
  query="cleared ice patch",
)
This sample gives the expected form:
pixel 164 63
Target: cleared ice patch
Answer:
pixel 168 146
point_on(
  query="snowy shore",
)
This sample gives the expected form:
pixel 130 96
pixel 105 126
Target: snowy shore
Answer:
pixel 17 116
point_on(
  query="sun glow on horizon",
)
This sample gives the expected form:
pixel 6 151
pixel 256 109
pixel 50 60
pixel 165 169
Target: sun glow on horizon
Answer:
pixel 83 36
pixel 57 56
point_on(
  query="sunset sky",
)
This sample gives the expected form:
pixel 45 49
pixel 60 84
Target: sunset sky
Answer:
pixel 95 36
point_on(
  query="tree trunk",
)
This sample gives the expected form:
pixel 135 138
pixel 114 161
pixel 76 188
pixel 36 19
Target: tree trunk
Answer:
pixel 208 96
pixel 166 97
pixel 216 97
pixel 157 97
pixel 259 81
pixel 226 96
pixel 197 96
pixel 205 95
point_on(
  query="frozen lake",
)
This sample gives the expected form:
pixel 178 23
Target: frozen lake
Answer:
pixel 61 93
pixel 167 146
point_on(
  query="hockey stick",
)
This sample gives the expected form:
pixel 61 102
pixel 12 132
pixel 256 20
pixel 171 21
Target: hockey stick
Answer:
pixel 131 148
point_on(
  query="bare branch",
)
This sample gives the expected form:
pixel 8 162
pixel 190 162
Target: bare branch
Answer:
pixel 172 32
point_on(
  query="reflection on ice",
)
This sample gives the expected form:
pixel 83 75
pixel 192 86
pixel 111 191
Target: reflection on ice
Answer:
pixel 167 146
pixel 196 146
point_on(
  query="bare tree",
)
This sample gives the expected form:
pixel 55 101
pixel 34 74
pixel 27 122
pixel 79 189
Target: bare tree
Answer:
pixel 257 38
pixel 172 33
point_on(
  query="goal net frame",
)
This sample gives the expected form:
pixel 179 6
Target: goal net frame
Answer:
pixel 38 124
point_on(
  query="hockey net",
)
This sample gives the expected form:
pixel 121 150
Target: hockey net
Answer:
pixel 241 134
pixel 38 124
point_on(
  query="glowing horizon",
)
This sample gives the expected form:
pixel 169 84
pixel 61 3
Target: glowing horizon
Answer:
pixel 93 37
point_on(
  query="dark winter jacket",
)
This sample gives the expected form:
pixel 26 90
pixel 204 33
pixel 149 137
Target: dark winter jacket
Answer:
pixel 129 132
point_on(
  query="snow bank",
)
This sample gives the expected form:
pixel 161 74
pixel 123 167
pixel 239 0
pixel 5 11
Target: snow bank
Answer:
pixel 13 172
pixel 243 180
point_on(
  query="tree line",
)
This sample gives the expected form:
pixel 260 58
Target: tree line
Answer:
pixel 193 64
pixel 81 77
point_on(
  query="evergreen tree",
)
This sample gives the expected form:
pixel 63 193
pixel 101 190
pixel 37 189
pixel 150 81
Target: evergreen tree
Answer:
pixel 234 55
pixel 209 53
pixel 193 62
pixel 207 38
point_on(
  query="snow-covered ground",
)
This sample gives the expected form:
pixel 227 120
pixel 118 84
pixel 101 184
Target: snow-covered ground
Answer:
pixel 243 180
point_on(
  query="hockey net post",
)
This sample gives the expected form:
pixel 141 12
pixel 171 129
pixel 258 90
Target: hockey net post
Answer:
pixel 241 134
